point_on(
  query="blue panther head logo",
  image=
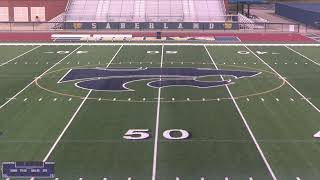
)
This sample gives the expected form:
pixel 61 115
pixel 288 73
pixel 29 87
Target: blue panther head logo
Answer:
pixel 116 79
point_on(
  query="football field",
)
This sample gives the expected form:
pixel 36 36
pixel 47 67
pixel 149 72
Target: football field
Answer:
pixel 163 111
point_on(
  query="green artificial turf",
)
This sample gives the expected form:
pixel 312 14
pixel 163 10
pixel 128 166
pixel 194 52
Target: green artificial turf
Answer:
pixel 226 131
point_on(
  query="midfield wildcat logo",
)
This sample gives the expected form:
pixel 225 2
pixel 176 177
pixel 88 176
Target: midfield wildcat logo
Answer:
pixel 116 79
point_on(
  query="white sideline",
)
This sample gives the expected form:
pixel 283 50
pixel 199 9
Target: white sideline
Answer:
pixel 155 148
pixel 19 56
pixel 245 123
pixel 66 127
pixel 70 35
pixel 303 56
pixel 38 78
pixel 154 44
pixel 284 79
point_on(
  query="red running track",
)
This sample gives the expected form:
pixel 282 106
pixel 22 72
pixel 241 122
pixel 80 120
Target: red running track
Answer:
pixel 244 37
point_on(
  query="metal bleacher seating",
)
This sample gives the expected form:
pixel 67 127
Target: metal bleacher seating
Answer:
pixel 145 11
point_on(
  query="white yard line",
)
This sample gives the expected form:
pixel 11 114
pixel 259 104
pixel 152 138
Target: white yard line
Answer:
pixel 38 78
pixel 114 56
pixel 19 56
pixel 75 114
pixel 66 127
pixel 303 56
pixel 284 79
pixel 155 148
pixel 155 44
pixel 245 123
pixel 64 76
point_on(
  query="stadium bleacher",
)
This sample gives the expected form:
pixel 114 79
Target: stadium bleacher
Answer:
pixel 146 11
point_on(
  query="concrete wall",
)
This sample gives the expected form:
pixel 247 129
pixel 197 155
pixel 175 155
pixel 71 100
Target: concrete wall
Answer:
pixel 52 7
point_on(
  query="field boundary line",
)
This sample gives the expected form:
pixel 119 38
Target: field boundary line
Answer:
pixel 155 148
pixel 66 127
pixel 19 56
pixel 157 44
pixel 13 97
pixel 246 123
pixel 295 89
pixel 304 56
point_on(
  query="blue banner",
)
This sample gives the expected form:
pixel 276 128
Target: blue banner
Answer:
pixel 151 25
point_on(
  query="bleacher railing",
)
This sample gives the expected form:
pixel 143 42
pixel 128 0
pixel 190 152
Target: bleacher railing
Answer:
pixel 80 26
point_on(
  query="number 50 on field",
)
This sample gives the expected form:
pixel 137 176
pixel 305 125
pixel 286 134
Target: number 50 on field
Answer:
pixel 171 134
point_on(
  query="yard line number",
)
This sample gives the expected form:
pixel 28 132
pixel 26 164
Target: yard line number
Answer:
pixel 171 134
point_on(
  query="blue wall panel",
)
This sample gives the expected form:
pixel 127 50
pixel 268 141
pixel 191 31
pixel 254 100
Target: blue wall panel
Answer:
pixel 299 13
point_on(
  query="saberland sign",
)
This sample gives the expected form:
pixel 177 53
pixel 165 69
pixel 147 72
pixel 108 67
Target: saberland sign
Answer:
pixel 152 25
